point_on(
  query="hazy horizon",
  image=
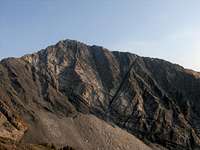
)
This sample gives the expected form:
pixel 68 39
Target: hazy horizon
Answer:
pixel 160 29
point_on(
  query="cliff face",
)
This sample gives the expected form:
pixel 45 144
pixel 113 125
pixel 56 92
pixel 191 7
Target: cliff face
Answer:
pixel 56 90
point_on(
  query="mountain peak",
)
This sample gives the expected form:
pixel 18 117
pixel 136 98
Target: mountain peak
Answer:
pixel 61 88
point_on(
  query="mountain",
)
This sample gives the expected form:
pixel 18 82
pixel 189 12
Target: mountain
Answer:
pixel 87 97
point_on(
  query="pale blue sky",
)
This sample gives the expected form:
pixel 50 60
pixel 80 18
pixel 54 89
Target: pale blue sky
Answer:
pixel 168 29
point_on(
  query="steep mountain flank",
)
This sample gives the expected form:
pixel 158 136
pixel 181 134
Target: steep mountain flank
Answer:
pixel 58 92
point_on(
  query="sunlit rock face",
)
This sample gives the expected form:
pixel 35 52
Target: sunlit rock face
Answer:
pixel 152 99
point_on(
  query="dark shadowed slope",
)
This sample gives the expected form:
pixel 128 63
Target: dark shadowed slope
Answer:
pixel 58 91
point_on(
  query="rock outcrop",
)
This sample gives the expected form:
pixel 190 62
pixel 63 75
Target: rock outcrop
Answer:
pixel 58 92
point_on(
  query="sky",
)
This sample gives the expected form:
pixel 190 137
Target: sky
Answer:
pixel 166 29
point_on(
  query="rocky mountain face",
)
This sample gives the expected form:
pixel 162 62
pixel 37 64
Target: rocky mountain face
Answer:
pixel 88 97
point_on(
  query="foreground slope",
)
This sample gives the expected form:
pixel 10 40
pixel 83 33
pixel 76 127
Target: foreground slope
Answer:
pixel 59 91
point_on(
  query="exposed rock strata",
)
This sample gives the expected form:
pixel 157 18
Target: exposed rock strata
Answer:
pixel 150 98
